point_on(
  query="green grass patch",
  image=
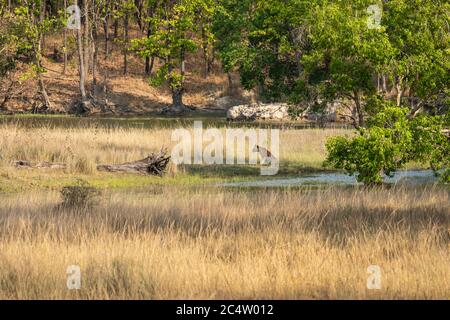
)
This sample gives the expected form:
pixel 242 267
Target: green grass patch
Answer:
pixel 14 180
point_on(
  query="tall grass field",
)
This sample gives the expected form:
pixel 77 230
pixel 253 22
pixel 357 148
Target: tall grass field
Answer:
pixel 183 237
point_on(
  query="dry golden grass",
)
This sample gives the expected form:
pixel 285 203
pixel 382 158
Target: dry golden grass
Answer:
pixel 215 244
pixel 84 147
pixel 174 242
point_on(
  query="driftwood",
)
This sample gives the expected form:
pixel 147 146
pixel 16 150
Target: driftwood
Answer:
pixel 154 164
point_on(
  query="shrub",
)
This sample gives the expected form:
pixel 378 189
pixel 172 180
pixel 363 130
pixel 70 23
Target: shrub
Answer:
pixel 389 142
pixel 430 145
pixel 79 196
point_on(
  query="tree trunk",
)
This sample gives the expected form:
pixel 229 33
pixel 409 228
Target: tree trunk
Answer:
pixel 139 12
pixel 41 84
pixel 106 31
pixel 182 63
pixel 177 90
pixel 116 28
pixel 86 36
pixel 36 46
pixel 43 92
pixel 177 94
pixel 125 49
pixel 358 114
pixel 65 43
pixel 42 18
pixel 383 83
pixel 230 84
pixel 8 95
pixel 378 83
pixel 105 74
pixel 177 99
pixel 205 52
pixel 94 57
pixel 211 59
pixel 399 90
pixel 149 61
pixel 81 66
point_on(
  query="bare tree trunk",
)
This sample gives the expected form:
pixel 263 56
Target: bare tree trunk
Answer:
pixel 81 65
pixel 205 48
pixel 65 43
pixel 149 61
pixel 139 12
pixel 125 49
pixel 116 28
pixel 230 84
pixel 41 83
pixel 359 115
pixel 378 83
pixel 86 36
pixel 399 90
pixel 94 41
pixel 105 73
pixel 211 59
pixel 43 92
pixel 147 66
pixel 384 83
pixel 42 18
pixel 182 72
pixel 106 30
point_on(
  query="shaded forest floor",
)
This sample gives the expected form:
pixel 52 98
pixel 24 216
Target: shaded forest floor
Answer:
pixel 130 93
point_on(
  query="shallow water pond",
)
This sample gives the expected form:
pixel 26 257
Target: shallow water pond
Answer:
pixel 414 177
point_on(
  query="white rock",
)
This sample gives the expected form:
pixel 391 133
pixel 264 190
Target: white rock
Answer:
pixel 273 111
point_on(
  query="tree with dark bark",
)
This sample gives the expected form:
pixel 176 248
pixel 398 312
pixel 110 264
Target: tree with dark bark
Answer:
pixel 175 36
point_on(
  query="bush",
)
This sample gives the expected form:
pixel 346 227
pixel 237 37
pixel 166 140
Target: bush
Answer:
pixel 79 196
pixel 389 142
pixel 430 145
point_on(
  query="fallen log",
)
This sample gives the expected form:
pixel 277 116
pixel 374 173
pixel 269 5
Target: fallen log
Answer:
pixel 22 164
pixel 154 164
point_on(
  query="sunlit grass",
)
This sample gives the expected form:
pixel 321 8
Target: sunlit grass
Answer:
pixel 83 148
pixel 216 244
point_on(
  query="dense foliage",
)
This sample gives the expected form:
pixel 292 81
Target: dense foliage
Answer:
pixel 388 143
